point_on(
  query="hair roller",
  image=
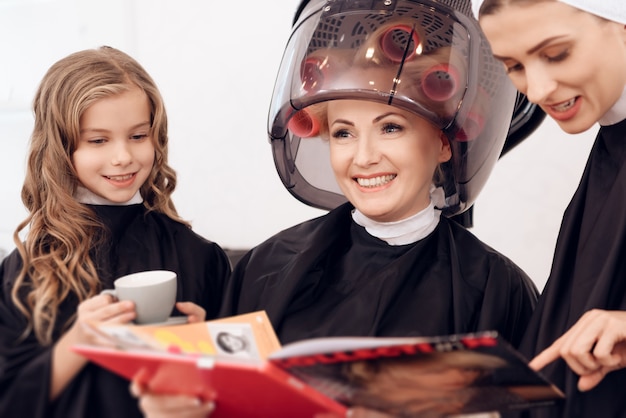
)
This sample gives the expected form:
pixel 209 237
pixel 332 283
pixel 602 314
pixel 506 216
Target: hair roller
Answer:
pixel 445 78
pixel 441 82
pixel 312 73
pixel 475 120
pixel 391 44
pixel 303 124
pixel 472 127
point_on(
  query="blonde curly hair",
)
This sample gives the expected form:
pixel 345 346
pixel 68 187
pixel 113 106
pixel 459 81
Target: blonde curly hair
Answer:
pixel 61 231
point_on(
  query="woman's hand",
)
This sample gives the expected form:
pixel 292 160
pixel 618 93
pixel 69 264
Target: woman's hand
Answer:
pixel 174 406
pixel 593 347
pixel 356 412
pixel 194 312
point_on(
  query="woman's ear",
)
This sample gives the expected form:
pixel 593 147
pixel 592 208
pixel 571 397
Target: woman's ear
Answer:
pixel 445 153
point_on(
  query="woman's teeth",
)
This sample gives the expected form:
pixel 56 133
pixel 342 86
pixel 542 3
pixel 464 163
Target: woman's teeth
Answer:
pixel 375 181
pixel 564 106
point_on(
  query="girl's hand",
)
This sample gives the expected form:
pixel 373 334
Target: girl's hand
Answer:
pixel 164 406
pixel 593 347
pixel 100 308
pixel 194 312
pixel 65 363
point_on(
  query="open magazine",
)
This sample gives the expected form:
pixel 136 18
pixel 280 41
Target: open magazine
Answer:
pixel 239 363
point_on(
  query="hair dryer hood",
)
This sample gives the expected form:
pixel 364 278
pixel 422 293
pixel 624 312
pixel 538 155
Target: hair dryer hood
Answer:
pixel 427 57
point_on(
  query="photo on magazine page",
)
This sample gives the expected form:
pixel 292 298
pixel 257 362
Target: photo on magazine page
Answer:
pixel 427 377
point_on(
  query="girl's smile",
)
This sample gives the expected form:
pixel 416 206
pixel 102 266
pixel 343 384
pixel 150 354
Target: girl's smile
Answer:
pixel 115 153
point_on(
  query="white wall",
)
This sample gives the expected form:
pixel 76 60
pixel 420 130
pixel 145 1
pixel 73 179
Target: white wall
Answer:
pixel 215 63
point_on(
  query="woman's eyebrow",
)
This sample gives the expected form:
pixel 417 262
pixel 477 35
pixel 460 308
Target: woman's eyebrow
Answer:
pixel 534 48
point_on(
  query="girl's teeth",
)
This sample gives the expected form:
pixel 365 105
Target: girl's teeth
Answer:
pixel 120 178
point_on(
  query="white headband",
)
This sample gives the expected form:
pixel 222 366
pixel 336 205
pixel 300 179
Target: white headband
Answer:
pixel 614 10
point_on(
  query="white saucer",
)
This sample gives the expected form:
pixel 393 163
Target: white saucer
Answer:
pixel 172 320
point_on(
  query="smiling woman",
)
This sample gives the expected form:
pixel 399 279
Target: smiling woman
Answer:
pixel 393 114
pixel 571 61
pixel 384 158
pixel 386 116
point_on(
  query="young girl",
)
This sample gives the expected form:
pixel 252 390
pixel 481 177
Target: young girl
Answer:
pixel 391 117
pixel 98 191
pixel 569 57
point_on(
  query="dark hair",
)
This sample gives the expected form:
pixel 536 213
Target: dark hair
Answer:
pixel 222 344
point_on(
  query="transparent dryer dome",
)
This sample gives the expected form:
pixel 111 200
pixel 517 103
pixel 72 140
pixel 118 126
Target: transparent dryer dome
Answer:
pixel 427 57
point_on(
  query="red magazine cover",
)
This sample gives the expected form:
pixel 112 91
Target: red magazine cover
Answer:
pixel 240 389
pixel 222 360
pixel 239 363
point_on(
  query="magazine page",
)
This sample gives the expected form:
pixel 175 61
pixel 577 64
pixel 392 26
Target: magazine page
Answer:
pixel 425 377
pixel 347 344
pixel 248 336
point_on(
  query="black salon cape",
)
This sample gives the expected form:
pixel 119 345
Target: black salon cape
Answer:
pixel 140 241
pixel 329 277
pixel 588 271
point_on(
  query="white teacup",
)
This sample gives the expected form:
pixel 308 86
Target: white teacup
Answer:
pixel 152 291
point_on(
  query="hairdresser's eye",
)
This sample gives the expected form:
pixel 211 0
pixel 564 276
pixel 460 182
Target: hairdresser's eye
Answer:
pixel 558 57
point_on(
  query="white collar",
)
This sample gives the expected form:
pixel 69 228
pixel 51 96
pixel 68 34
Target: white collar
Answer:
pixel 617 113
pixel 405 231
pixel 86 196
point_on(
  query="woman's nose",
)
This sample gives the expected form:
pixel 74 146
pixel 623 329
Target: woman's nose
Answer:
pixel 539 85
pixel 367 152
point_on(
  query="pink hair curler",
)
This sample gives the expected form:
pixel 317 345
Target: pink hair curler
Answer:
pixel 441 82
pixel 394 50
pixel 472 127
pixel 312 73
pixel 304 125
